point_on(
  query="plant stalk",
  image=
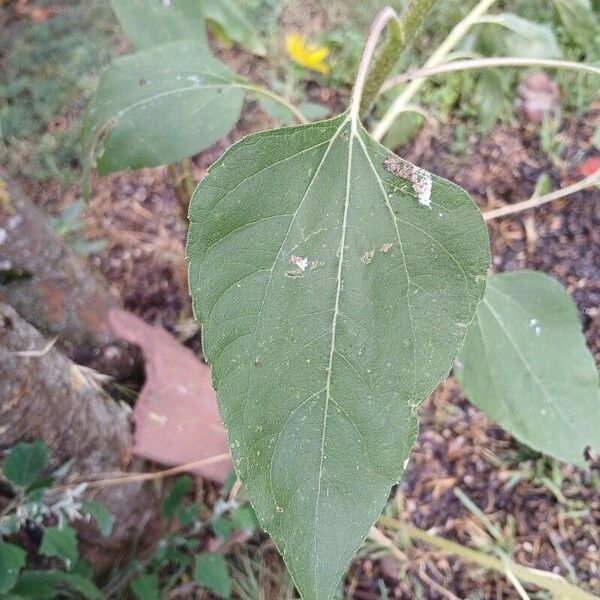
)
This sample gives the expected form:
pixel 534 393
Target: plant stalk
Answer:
pixel 257 89
pixel 487 63
pixel 440 54
pixel 586 182
pixel 400 32
pixel 381 20
pixel 559 586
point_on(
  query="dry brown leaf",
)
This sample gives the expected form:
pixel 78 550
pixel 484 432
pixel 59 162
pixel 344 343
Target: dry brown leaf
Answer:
pixel 176 417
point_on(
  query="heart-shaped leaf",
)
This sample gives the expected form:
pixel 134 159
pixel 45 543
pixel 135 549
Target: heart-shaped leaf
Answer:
pixel 25 462
pixel 525 364
pixel 335 283
pixel 150 23
pixel 159 106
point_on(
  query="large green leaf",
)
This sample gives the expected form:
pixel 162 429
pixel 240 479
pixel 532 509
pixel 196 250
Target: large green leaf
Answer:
pixel 333 300
pixel 525 364
pixel 159 106
pixel 150 23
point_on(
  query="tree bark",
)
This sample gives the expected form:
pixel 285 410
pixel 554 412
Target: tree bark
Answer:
pixel 44 395
pixel 52 288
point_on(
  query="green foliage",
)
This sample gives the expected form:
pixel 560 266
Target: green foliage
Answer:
pixel 281 114
pixel 62 543
pixel 68 225
pixel 211 571
pixel 100 514
pixel 24 463
pixel 33 506
pixel 51 584
pixel 12 559
pixel 145 587
pixel 136 118
pixel 490 96
pixel 301 314
pixel 182 486
pixel 48 71
pixel 149 23
pixel 233 24
pixel 519 37
pixel 580 21
pixel 526 365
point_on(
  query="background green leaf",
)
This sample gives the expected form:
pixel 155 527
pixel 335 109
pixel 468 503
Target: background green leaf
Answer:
pixel 49 585
pixel 525 364
pixel 25 462
pixel 60 542
pixel 521 37
pixel 12 559
pixel 318 365
pixel 159 106
pixel 232 22
pixel 212 572
pixel 183 484
pixel 145 587
pixel 579 21
pixel 150 23
pixel 101 514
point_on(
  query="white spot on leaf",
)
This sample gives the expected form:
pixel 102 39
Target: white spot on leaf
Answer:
pixel 300 262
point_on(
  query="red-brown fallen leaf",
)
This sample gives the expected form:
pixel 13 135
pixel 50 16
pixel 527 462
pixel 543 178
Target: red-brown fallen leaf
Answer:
pixel 540 96
pixel 176 417
pixel 589 166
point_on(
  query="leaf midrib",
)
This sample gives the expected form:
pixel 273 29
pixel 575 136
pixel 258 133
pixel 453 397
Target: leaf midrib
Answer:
pixel 267 287
pixel 336 311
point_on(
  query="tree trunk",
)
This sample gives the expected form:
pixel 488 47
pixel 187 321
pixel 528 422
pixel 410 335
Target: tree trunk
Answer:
pixel 52 288
pixel 46 396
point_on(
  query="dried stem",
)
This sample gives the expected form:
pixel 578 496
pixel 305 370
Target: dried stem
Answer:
pixel 258 89
pixel 131 477
pixel 487 63
pixel 589 181
pixel 559 586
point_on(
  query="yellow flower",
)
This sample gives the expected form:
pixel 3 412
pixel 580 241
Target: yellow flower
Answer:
pixel 309 56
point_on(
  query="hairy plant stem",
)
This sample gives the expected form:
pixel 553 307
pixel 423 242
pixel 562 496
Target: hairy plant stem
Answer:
pixel 400 32
pixel 440 54
pixel 258 89
pixel 487 63
pixel 381 20
pixel 560 587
